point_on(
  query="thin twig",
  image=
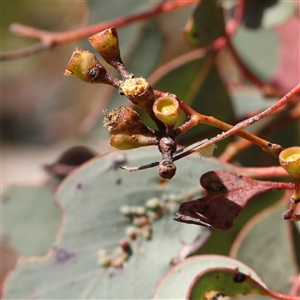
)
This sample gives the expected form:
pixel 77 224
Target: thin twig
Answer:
pixel 235 147
pixel 197 118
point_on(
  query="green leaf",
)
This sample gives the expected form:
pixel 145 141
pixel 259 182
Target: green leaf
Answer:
pixel 91 198
pixel 245 101
pixel 30 219
pixel 252 44
pixel 147 50
pixel 225 282
pixel 265 244
pixel 206 24
pixel 175 283
pixel 268 13
pixel 215 282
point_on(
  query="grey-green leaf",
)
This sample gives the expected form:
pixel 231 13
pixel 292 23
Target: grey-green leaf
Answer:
pixel 30 219
pixel 91 199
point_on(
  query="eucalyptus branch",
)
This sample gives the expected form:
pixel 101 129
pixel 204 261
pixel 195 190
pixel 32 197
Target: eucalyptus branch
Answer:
pixel 197 118
pixel 50 40
pixel 237 146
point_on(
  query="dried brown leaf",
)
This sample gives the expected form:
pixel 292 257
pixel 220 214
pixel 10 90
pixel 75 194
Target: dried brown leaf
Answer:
pixel 227 193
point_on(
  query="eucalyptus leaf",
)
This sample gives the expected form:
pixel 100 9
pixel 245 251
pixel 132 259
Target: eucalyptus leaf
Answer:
pixel 253 44
pixel 91 198
pixel 206 24
pixel 265 244
pixel 227 193
pixel 225 282
pixel 269 13
pixel 176 282
pixel 30 219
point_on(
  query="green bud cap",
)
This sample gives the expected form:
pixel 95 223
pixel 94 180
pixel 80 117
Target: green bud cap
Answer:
pixel 106 43
pixel 289 159
pixel 85 66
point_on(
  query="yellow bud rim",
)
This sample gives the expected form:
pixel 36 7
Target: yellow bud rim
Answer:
pixel 166 109
pixel 290 160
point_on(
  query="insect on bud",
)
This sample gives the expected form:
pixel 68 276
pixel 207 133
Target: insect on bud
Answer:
pixel 289 159
pixel 106 43
pixel 85 66
pixel 124 120
pixel 127 142
pixel 166 109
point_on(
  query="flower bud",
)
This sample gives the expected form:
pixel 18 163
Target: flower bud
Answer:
pixel 103 258
pixel 85 66
pixel 106 43
pixel 124 120
pixel 119 257
pixel 126 211
pixel 153 204
pixel 289 159
pixel 146 232
pixel 127 142
pixel 140 221
pixel 166 169
pixel 132 232
pixel 166 109
pixel 125 245
pixel 139 92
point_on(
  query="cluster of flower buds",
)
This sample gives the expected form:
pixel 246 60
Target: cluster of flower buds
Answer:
pixel 127 129
pixel 123 123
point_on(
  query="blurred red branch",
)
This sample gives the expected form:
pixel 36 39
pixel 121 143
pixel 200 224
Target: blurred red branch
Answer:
pixel 49 40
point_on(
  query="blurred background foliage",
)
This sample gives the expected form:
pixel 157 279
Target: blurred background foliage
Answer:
pixel 45 113
pixel 42 109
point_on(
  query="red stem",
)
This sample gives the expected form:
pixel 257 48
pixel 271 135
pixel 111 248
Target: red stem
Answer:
pixel 197 118
pixel 256 118
pixel 260 172
pixel 282 296
pixel 234 23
